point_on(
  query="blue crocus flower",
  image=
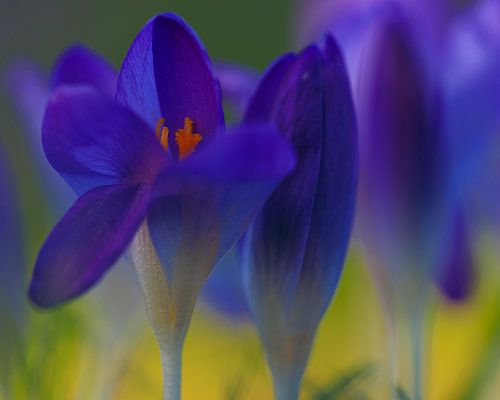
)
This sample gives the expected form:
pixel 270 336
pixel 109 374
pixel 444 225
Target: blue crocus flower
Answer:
pixel 296 247
pixel 156 170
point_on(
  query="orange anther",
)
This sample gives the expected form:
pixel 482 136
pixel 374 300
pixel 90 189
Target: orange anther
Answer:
pixel 186 139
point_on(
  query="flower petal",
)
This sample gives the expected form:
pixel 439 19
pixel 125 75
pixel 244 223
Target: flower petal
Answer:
pixel 210 198
pixel 167 73
pixel 333 209
pixel 87 242
pixel 78 65
pixel 92 141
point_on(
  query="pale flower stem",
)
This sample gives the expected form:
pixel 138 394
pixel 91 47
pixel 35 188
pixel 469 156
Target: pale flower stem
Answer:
pixel 171 360
pixel 286 389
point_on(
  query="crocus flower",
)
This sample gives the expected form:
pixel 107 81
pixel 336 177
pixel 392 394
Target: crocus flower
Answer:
pixel 155 169
pixel 296 246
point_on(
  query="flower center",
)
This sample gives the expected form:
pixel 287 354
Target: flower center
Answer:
pixel 185 138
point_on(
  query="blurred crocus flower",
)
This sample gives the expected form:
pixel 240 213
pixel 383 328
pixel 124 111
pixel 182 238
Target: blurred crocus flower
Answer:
pixel 12 271
pixel 372 46
pixel 314 17
pixel 30 88
pixel 471 82
pixel 237 85
pixel 181 198
pixel 296 247
pixel 404 160
pixel 410 216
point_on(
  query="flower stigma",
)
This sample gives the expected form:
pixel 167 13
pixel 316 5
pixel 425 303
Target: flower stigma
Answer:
pixel 185 138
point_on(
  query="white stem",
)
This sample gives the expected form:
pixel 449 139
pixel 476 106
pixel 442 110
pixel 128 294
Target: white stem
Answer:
pixel 171 360
pixel 286 389
pixel 169 311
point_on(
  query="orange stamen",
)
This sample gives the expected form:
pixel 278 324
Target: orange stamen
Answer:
pixel 159 126
pixel 186 139
pixel 164 138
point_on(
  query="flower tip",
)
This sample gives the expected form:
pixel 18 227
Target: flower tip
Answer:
pixel 330 45
pixel 38 297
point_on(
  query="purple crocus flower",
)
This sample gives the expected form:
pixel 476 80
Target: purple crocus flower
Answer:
pixel 296 246
pixel 155 169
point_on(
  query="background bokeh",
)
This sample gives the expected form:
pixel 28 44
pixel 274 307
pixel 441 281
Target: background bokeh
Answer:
pixel 72 353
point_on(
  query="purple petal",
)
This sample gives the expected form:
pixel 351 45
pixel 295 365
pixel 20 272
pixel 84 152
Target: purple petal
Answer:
pixel 78 65
pixel 87 242
pixel 336 187
pixel 211 197
pixel 91 141
pixel 136 87
pixel 167 73
pixel 281 231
